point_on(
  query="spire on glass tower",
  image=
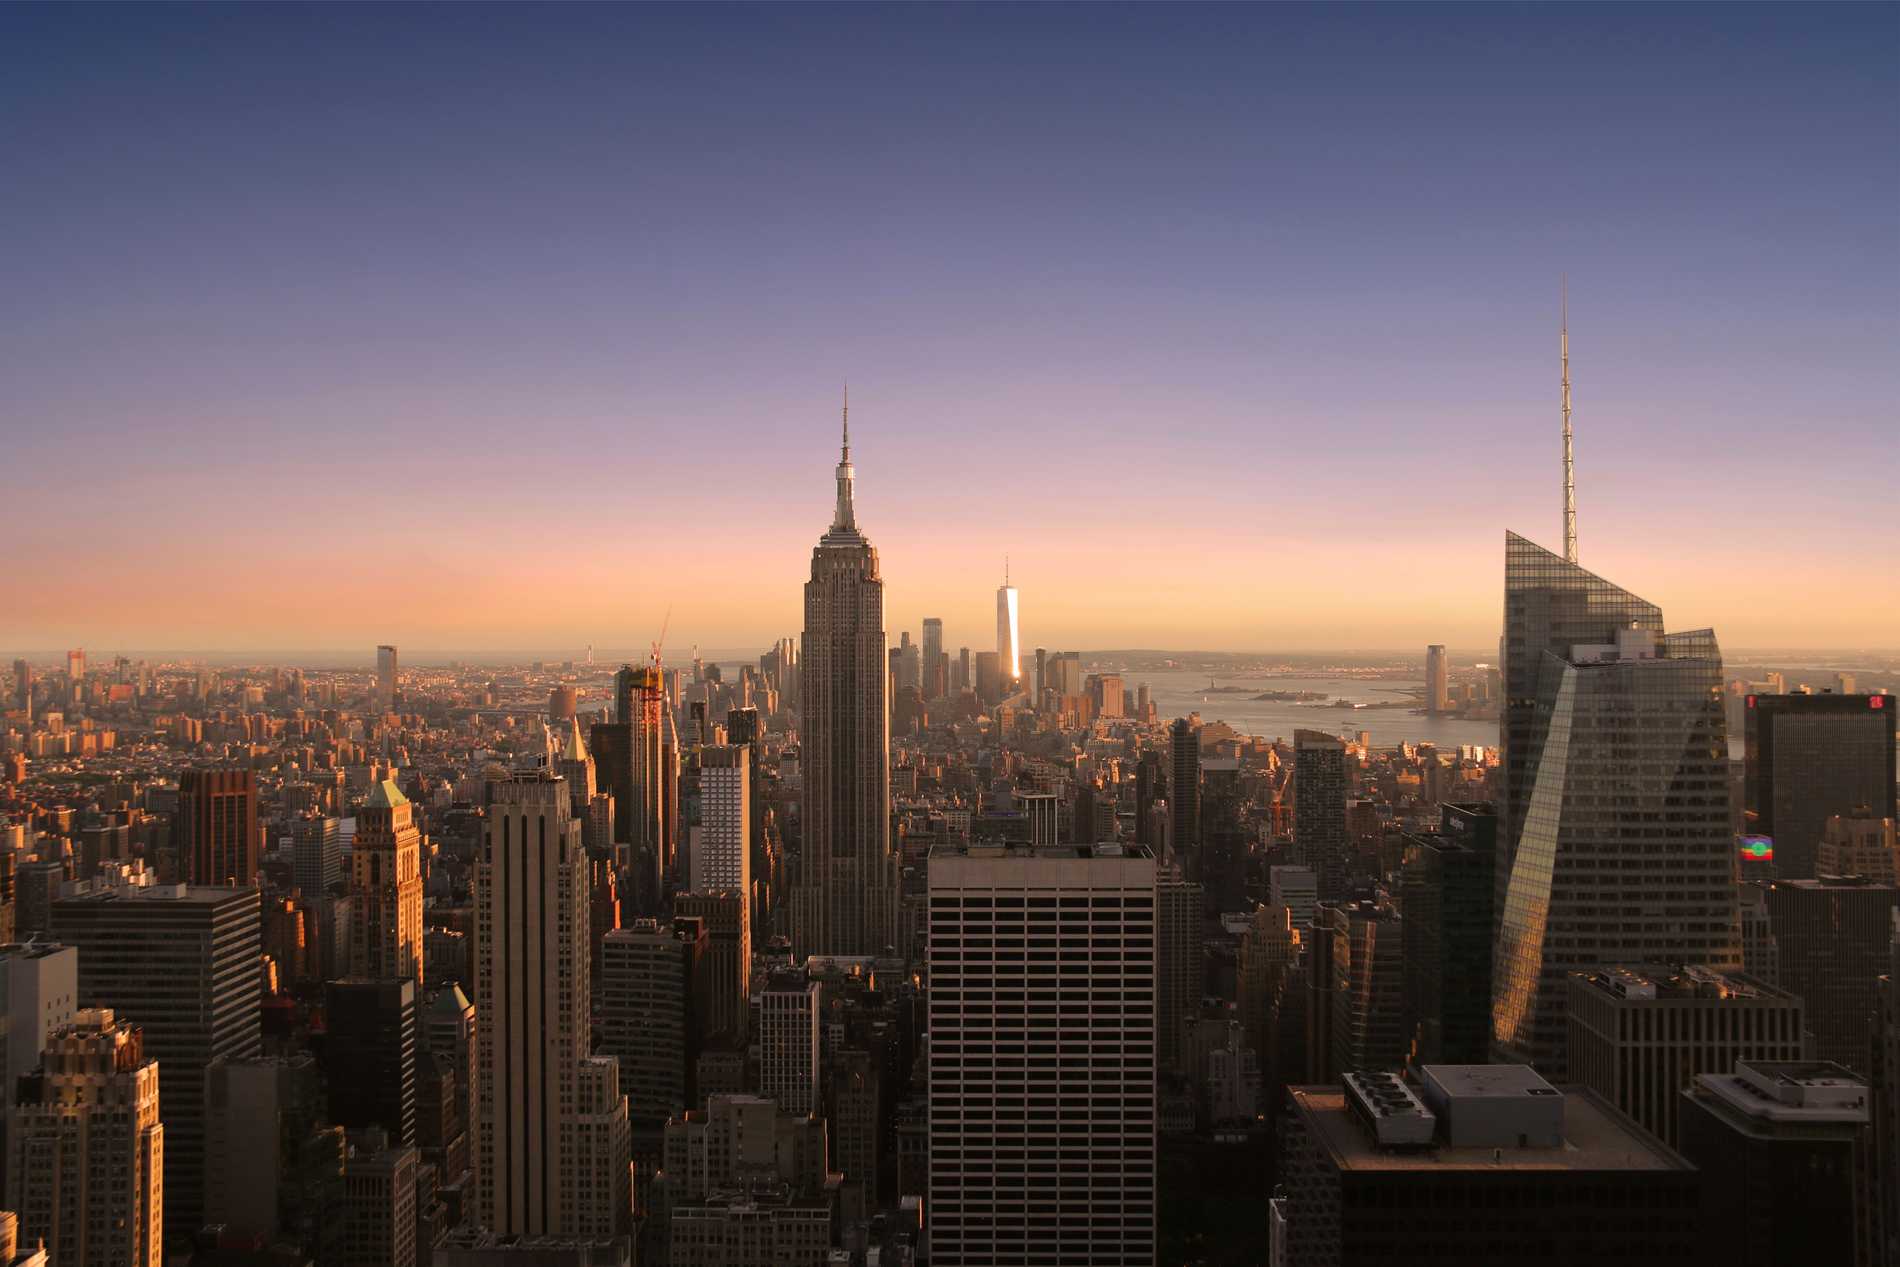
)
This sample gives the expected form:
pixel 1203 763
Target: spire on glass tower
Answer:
pixel 1570 466
pixel 845 520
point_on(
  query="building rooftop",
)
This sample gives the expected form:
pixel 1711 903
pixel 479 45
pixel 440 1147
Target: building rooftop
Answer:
pixel 384 794
pixel 1595 1136
pixel 1015 850
pixel 1679 983
pixel 199 894
pixel 1791 1091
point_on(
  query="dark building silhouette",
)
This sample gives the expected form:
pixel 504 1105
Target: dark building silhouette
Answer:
pixel 612 746
pixel 1810 757
pixel 1480 1166
pixel 1833 935
pixel 1446 896
pixel 1319 811
pixel 369 1054
pixel 1782 1147
pixel 1184 795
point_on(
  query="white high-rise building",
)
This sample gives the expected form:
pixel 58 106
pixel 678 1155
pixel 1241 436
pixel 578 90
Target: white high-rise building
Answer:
pixel 539 1125
pixel 1042 1160
pixel 721 845
pixel 845 900
pixel 1009 649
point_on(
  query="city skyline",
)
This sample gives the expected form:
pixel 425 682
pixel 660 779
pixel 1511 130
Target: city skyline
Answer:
pixel 1190 255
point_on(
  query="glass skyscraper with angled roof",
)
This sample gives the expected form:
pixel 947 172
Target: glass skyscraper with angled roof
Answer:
pixel 1616 838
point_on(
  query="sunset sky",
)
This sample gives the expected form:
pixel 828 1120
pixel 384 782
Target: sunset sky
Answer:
pixel 473 327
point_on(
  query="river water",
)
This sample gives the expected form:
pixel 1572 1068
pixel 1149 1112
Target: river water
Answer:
pixel 1176 693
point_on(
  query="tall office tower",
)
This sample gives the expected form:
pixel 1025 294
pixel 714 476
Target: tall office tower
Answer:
pixel 448 1032
pixel 1761 953
pixel 851 1110
pixel 76 664
pixel 1180 970
pixel 1782 1146
pixel 846 897
pixel 577 767
pixel 1072 1171
pixel 1437 680
pixel 1617 747
pixel 639 700
pixel 722 841
pixel 1147 774
pixel 1813 756
pixel 1550 606
pixel 1319 811
pixel 964 680
pixel 1224 840
pixel 386 672
pixel 724 997
pixel 1884 1078
pixel 1297 890
pixel 1368 993
pixel 23 688
pixel 907 665
pixel 1639 1035
pixel 532 969
pixel 180 963
pixel 316 853
pixel 369 1054
pixel 936 684
pixel 386 890
pixel 1009 650
pixel 1184 795
pixel 216 829
pixel 1859 846
pixel 36 885
pixel 1446 896
pixel 1268 947
pixel 1832 939
pixel 39 988
pixel 646 1016
pixel 989 684
pixel 1483 1166
pixel 1042 673
pixel 785 1023
pixel 86 1153
pixel 611 744
pixel 379 1206
pixel 253 1109
pixel 603 1152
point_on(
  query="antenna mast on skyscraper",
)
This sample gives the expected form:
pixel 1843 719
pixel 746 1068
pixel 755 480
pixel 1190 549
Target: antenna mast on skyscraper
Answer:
pixel 1570 465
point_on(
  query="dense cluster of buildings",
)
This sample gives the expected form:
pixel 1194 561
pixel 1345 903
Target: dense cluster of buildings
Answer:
pixel 889 954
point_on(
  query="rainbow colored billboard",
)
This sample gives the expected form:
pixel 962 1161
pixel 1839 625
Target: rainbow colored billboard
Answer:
pixel 1756 848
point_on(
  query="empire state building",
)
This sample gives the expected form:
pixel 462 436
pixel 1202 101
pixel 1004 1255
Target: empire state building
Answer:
pixel 845 899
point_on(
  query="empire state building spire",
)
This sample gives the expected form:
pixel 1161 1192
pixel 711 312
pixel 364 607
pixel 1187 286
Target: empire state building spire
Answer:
pixel 844 897
pixel 845 520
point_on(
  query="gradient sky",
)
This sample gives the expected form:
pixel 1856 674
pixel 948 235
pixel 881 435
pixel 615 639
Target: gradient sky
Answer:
pixel 487 327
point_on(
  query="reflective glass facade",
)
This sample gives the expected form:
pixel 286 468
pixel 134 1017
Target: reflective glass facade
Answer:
pixel 1616 781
